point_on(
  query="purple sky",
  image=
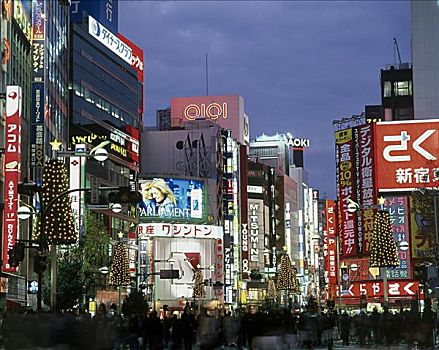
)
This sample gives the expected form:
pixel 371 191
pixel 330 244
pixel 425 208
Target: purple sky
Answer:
pixel 298 64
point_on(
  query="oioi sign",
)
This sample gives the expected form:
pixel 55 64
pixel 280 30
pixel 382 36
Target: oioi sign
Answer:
pixel 407 154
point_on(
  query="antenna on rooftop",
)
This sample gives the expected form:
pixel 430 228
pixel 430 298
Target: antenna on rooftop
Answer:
pixel 207 77
pixel 396 51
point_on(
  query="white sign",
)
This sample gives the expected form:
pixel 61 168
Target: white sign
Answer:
pixel 108 39
pixel 255 189
pixel 179 230
pixel 298 143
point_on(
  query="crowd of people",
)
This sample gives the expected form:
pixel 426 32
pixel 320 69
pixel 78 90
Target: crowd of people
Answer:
pixel 108 330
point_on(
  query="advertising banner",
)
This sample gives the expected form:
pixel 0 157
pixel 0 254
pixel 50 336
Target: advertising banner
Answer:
pixel 376 289
pixel 397 206
pixel 256 233
pixel 166 199
pixel 361 272
pixel 137 57
pixel 244 238
pixel 109 40
pixel 345 166
pixel 105 11
pixel 423 237
pixel 21 17
pixel 12 164
pixel 407 154
pixel 179 230
pixel 38 88
pixel 122 145
pixel 367 191
pixel 331 243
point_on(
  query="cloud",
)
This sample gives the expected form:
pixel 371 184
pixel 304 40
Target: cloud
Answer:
pixel 298 64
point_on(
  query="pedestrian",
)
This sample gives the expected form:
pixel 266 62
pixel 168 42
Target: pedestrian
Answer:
pixel 345 327
pixel 188 327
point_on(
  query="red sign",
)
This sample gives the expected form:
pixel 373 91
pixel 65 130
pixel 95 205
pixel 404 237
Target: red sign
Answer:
pixel 406 154
pixel 330 243
pixel 137 56
pixel 12 171
pixel 376 289
pixel 345 167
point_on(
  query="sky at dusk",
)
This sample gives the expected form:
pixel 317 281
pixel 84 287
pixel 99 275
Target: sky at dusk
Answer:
pixel 299 65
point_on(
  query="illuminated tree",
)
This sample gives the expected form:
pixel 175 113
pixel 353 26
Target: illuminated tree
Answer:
pixel 383 247
pixel 271 290
pixel 199 290
pixel 58 219
pixel 287 276
pixel 120 268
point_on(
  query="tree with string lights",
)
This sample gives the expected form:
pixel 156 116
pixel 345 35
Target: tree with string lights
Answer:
pixel 120 268
pixel 383 252
pixel 58 219
pixel 287 276
pixel 271 290
pixel 199 291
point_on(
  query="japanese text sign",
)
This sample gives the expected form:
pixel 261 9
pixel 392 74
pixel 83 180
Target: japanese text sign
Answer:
pixel 12 175
pixel 179 230
pixel 398 211
pixel 407 154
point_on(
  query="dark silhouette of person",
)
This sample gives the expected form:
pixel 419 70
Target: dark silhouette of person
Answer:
pixel 188 326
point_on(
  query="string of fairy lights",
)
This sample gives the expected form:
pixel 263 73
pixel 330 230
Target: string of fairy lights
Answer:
pixel 287 277
pixel 120 268
pixel 58 225
pixel 383 246
pixel 199 290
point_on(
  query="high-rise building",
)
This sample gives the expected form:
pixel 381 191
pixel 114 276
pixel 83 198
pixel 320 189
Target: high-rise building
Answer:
pixel 397 92
pixel 163 119
pixel 425 55
pixel 49 110
pixel 106 108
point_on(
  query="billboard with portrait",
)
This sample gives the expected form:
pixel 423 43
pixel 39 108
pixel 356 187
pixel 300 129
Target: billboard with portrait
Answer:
pixel 173 200
pixel 407 154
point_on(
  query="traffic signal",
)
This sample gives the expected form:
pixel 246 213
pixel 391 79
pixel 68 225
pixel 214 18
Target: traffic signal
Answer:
pixel 28 188
pixel 125 195
pixel 16 254
pixel 344 272
pixel 40 263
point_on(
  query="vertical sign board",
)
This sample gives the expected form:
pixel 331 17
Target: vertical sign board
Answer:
pixel 245 240
pixel 423 237
pixel 397 207
pixel 367 184
pixel 345 164
pixel 256 232
pixel 12 160
pixel 38 90
pixel 331 226
pixel 77 180
pixel 357 157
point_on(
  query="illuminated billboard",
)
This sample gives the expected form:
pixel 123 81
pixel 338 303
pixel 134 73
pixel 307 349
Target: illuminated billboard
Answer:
pixel 173 199
pixel 109 40
pixel 227 111
pixel 407 154
pixel 137 56
pixel 12 171
pixel 121 144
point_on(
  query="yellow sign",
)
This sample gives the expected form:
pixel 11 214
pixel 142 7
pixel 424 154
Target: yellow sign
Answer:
pixel 343 136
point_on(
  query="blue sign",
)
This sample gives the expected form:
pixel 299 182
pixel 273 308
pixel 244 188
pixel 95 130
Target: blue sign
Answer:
pixel 32 287
pixel 104 11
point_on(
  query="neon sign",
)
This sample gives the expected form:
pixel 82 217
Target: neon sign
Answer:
pixel 212 111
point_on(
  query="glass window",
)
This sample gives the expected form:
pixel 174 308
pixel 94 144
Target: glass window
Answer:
pixel 403 88
pixel 387 89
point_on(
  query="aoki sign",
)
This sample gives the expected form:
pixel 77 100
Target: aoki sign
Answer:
pixel 212 111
